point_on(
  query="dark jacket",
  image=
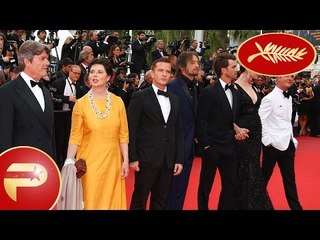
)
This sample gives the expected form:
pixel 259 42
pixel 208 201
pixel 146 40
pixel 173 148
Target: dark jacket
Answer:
pixel 22 121
pixel 152 140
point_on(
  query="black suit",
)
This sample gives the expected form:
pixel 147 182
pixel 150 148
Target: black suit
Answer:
pixel 62 119
pixel 157 54
pixel 156 144
pixel 22 121
pixel 139 57
pixel 214 127
pixel 80 81
pixel 58 93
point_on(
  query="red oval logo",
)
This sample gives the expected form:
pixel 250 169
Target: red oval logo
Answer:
pixel 276 54
pixel 29 180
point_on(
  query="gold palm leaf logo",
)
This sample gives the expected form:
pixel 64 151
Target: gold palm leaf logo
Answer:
pixel 275 53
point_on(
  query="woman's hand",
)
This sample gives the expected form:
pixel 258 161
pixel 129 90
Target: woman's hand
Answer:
pixel 125 169
pixel 81 167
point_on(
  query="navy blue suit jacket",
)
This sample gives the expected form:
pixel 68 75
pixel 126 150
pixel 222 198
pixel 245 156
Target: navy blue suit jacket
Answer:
pixel 179 87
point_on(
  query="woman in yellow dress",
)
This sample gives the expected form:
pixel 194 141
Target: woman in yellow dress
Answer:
pixel 99 135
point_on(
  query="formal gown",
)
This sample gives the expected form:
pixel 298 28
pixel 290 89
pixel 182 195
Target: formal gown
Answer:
pixel 251 193
pixel 99 145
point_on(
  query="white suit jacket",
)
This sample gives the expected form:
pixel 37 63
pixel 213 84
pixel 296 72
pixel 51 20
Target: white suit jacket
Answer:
pixel 275 112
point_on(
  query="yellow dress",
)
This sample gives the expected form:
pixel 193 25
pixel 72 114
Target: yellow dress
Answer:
pixel 99 145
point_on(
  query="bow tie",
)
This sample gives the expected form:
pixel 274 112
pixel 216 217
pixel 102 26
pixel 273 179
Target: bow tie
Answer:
pixel 286 94
pixel 163 93
pixel 231 87
pixel 34 83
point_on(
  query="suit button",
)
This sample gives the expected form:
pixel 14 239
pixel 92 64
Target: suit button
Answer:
pixel 31 125
pixel 164 139
pixel 164 126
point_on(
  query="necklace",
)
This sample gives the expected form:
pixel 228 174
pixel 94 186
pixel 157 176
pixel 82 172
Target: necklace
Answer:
pixel 95 108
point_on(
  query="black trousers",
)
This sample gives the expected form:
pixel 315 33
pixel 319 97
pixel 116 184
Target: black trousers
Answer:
pixel 285 160
pixel 154 180
pixel 62 120
pixel 227 165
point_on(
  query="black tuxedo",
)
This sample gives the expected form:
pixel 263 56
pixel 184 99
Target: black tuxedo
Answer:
pixel 22 121
pixel 214 127
pixel 156 55
pixel 58 87
pixel 62 119
pixel 156 144
pixel 80 81
pixel 60 75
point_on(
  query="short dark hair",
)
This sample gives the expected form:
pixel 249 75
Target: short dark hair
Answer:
pixel 66 61
pixel 222 61
pixel 104 62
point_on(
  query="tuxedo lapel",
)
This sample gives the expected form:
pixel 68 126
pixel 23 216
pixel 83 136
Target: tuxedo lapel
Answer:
pixel 27 95
pixel 48 112
pixel 156 102
pixel 227 111
pixel 173 105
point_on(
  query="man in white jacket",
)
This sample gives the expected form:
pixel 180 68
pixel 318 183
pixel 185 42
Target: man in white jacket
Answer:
pixel 279 144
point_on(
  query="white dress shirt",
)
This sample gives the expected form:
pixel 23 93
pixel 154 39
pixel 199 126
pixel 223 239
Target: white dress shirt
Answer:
pixel 275 112
pixel 164 103
pixel 36 90
pixel 228 92
pixel 69 90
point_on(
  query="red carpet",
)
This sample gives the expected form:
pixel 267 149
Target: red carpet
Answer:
pixel 307 179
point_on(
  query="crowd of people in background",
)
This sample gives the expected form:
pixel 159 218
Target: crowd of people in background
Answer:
pixel 209 108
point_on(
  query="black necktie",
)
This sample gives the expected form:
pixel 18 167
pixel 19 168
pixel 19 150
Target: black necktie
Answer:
pixel 34 83
pixel 286 94
pixel 231 86
pixel 163 93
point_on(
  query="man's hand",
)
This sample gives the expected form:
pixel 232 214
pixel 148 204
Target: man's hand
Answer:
pixel 81 167
pixel 135 166
pixel 177 169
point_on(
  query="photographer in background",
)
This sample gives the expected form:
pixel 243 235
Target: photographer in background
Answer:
pixel 11 57
pixel 52 41
pixel 160 51
pixel 139 51
pixel 208 65
pixel 114 57
pixel 127 87
pixel 194 46
pixel 98 44
pixel 63 73
pixel 72 47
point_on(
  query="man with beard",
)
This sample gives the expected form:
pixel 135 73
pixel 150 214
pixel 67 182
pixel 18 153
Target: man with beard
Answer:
pixel 188 67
